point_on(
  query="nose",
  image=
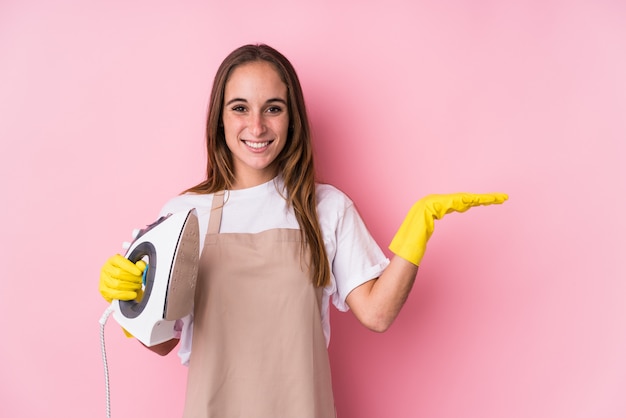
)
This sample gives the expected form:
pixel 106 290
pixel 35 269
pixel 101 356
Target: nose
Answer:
pixel 257 124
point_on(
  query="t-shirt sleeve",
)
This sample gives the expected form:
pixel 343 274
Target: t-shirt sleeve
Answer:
pixel 184 331
pixel 176 204
pixel 357 257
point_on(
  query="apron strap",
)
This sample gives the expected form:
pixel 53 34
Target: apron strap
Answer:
pixel 215 219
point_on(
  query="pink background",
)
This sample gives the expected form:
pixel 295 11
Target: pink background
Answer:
pixel 518 310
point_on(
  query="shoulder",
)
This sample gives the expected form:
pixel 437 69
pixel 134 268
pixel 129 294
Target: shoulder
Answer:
pixel 331 199
pixel 187 201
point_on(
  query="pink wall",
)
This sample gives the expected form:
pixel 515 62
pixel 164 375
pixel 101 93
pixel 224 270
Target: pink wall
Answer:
pixel 518 311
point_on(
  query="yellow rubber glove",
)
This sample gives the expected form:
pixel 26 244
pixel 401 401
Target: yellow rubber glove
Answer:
pixel 121 279
pixel 419 224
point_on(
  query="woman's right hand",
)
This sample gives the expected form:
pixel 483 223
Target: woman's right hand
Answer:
pixel 121 279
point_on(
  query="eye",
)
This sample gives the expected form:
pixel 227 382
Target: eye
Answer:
pixel 274 109
pixel 238 108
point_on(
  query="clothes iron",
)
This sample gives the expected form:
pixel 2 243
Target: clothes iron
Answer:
pixel 171 246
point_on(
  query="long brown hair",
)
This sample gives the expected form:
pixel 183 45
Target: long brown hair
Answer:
pixel 295 162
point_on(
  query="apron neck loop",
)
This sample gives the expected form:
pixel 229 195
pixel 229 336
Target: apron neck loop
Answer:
pixel 215 219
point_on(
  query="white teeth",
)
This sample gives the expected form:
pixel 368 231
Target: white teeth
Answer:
pixel 257 145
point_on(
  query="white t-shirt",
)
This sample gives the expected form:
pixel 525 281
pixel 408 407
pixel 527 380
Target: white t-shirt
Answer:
pixel 355 257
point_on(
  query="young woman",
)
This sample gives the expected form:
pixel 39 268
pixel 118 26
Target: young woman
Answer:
pixel 277 249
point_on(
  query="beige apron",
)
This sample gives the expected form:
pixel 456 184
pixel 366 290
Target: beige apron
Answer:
pixel 258 348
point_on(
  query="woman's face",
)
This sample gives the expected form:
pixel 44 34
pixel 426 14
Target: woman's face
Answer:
pixel 256 121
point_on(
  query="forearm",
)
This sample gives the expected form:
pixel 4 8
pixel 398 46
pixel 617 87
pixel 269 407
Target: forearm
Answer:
pixel 377 303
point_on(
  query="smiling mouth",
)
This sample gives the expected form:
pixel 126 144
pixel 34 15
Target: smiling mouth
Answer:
pixel 257 145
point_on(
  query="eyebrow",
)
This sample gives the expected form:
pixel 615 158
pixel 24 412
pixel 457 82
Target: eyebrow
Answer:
pixel 275 99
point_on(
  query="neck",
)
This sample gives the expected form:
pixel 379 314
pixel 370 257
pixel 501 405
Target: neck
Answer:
pixel 245 182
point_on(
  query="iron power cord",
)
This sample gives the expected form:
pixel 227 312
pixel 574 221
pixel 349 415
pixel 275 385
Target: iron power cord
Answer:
pixel 103 320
